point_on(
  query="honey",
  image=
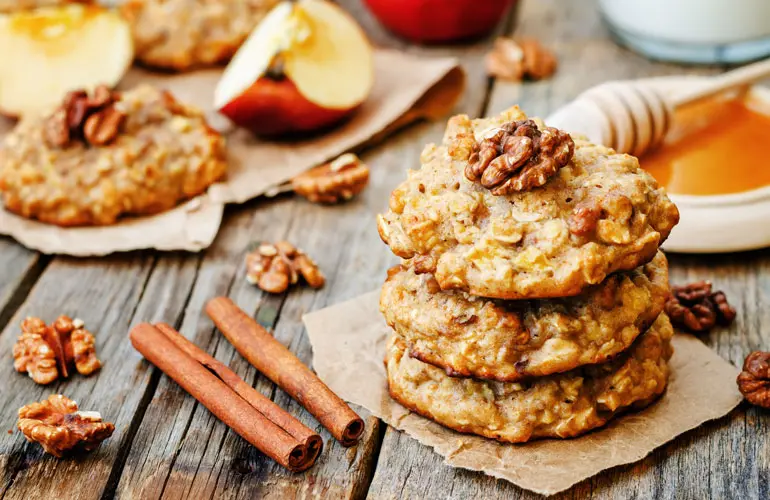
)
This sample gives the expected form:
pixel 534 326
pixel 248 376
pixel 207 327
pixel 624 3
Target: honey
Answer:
pixel 719 148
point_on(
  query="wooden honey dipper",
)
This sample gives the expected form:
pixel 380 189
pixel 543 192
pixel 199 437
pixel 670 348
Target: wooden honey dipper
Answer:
pixel 633 116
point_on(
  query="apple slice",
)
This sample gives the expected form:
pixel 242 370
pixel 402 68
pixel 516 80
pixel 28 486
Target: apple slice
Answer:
pixel 52 50
pixel 305 67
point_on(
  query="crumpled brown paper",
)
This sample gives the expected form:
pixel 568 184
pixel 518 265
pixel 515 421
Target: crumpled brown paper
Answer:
pixel 348 342
pixel 190 226
pixel 407 88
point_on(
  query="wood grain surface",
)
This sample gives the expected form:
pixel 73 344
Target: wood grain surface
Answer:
pixel 168 446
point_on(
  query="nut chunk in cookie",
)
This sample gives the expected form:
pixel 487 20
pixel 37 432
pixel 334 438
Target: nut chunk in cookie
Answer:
pixel 58 426
pixel 509 216
pixel 103 155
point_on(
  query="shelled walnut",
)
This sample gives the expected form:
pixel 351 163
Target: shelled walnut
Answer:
pixel 514 59
pixel 273 268
pixel 92 119
pixel 58 426
pixel 754 380
pixel 518 156
pixel 695 308
pixel 336 181
pixel 49 352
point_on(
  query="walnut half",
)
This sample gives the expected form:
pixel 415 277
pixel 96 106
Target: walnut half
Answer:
pixel 60 428
pixel 518 156
pixel 49 352
pixel 695 308
pixel 336 181
pixel 273 268
pixel 754 380
pixel 514 59
pixel 93 119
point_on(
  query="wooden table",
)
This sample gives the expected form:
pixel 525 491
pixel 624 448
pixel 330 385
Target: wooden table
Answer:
pixel 166 445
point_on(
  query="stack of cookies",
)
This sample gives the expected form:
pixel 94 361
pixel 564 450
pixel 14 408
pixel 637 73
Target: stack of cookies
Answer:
pixel 529 302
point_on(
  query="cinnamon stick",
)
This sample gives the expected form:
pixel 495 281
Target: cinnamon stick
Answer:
pixel 312 441
pixel 278 364
pixel 220 400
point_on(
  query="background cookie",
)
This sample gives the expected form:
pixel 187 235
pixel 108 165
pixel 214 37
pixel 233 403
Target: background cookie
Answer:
pixel 511 340
pixel 598 214
pixel 158 154
pixel 181 34
pixel 564 405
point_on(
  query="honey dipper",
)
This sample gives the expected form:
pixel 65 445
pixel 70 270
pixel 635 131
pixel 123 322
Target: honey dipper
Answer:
pixel 633 116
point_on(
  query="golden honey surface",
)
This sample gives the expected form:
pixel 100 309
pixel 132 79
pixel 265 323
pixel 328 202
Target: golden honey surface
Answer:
pixel 720 148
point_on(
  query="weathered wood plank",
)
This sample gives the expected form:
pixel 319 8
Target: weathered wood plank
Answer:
pixel 233 469
pixel 19 268
pixel 106 294
pixel 194 455
pixel 719 460
pixel 158 446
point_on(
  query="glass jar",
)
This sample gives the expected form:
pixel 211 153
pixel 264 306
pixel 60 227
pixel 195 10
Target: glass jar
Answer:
pixel 693 31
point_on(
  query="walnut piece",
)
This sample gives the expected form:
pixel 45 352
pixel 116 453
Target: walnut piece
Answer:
pixel 92 119
pixel 34 352
pixel 60 428
pixel 336 181
pixel 518 156
pixel 606 217
pixel 273 268
pixel 519 58
pixel 754 380
pixel 695 308
pixel 49 352
pixel 584 218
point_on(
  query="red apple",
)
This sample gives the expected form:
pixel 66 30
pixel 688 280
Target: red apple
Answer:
pixel 434 21
pixel 52 50
pixel 306 66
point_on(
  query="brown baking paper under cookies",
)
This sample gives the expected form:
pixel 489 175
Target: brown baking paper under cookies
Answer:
pixel 348 355
pixel 407 88
pixel 190 226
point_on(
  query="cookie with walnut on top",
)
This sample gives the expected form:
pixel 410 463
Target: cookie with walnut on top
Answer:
pixel 107 154
pixel 508 208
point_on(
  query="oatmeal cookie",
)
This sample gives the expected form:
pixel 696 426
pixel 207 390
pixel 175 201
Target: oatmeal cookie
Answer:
pixel 598 214
pixel 563 405
pixel 511 340
pixel 163 152
pixel 182 34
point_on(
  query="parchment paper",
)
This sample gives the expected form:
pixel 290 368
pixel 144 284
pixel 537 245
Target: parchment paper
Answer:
pixel 407 88
pixel 348 342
